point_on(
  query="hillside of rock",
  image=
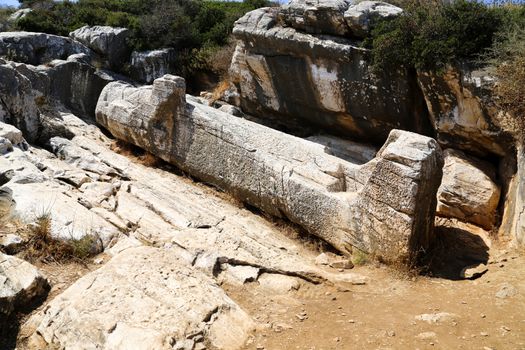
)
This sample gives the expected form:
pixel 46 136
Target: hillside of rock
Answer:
pixel 187 221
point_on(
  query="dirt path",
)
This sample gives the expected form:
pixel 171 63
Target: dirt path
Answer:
pixel 485 313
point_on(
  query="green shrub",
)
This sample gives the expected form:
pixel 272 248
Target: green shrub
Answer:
pixel 4 18
pixel 430 35
pixel 507 60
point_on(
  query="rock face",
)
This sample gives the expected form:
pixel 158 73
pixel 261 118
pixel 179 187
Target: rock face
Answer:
pixel 336 17
pixel 462 112
pixel 161 304
pixel 109 42
pixel 147 66
pixel 27 91
pixel 7 204
pixel 38 48
pixel 332 86
pixel 383 206
pixel 513 219
pixel 468 190
pixel 20 284
pixel 18 102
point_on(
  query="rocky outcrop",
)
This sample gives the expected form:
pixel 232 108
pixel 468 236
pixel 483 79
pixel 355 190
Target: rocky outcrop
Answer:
pixel 18 102
pixel 468 190
pixel 384 206
pixel 513 219
pixel 147 66
pixel 332 87
pixel 27 92
pixel 111 43
pixel 20 284
pixel 38 48
pixel 463 113
pixel 175 307
pixel 336 17
pixel 76 84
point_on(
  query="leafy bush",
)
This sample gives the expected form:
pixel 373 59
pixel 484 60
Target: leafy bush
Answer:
pixel 4 18
pixel 507 59
pixel 430 35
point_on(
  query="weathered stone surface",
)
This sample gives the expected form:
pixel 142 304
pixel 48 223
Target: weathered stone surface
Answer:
pixel 462 111
pixel 384 206
pixel 27 92
pixel 38 48
pixel 20 284
pixel 76 84
pixel 12 134
pixel 144 298
pixel 362 16
pixel 109 42
pixel 19 14
pixel 317 16
pixel 18 105
pixel 7 204
pixel 468 190
pixel 332 86
pixel 147 66
pixel 11 243
pixel 37 193
pixel 513 219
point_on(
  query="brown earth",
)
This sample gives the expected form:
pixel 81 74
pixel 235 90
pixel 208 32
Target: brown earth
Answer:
pixel 484 313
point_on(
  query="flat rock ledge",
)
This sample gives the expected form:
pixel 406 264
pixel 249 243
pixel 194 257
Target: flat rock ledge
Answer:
pixel 143 298
pixel 385 207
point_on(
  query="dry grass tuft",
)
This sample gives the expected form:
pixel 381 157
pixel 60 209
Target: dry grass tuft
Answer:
pixel 41 246
pixel 136 154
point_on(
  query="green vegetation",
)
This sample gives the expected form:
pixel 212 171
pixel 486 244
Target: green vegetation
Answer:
pixel 431 35
pixel 506 57
pixel 4 16
pixel 197 29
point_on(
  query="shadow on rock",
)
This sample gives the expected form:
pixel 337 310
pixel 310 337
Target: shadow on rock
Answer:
pixel 10 326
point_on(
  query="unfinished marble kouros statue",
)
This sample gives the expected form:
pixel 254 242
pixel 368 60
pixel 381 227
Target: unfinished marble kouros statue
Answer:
pixel 385 206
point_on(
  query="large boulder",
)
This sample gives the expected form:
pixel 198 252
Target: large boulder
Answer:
pixel 27 90
pixel 38 48
pixel 385 206
pixel 20 284
pixel 463 112
pixel 147 66
pixel 109 42
pixel 144 298
pixel 336 17
pixel 76 84
pixel 362 17
pixel 332 84
pixel 19 103
pixel 468 190
pixel 316 16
